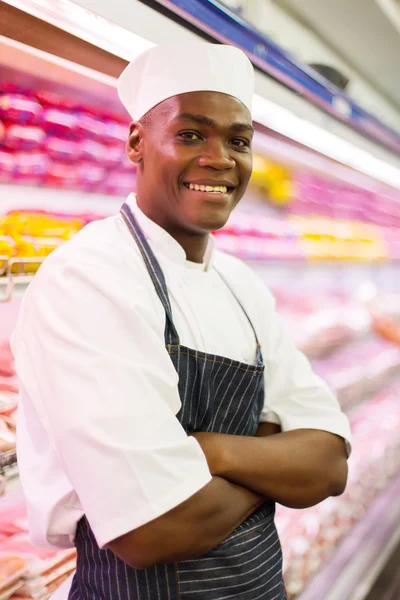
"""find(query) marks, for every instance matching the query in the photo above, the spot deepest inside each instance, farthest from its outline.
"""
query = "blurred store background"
(320, 223)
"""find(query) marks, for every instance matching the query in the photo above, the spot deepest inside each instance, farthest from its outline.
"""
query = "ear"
(134, 146)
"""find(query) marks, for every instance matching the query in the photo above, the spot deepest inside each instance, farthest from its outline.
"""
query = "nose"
(216, 156)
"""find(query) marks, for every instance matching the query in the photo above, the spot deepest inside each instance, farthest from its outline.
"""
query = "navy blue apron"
(217, 394)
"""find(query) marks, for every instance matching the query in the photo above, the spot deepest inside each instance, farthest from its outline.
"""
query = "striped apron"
(221, 395)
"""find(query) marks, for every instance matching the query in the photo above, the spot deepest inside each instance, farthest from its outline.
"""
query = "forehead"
(222, 109)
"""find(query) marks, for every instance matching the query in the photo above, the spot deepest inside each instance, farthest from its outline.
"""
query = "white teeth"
(208, 188)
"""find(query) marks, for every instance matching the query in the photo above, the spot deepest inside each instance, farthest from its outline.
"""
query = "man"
(164, 408)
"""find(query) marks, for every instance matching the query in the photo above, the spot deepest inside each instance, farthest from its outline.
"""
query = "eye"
(241, 143)
(189, 136)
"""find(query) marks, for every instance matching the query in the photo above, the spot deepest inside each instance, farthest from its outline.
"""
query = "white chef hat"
(168, 70)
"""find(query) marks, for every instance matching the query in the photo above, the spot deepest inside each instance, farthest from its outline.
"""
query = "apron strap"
(155, 272)
(259, 356)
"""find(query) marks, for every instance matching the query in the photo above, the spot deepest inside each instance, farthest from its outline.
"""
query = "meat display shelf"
(13, 286)
(361, 557)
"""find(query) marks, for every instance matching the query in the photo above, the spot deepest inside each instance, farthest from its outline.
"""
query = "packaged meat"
(92, 151)
(30, 167)
(23, 137)
(119, 183)
(37, 584)
(7, 161)
(53, 100)
(62, 150)
(12, 568)
(90, 176)
(7, 250)
(115, 132)
(59, 122)
(13, 520)
(114, 157)
(61, 175)
(8, 384)
(9, 591)
(37, 560)
(20, 109)
(7, 366)
(89, 127)
(46, 592)
(7, 437)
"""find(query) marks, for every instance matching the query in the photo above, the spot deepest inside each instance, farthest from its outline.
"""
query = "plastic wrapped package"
(119, 183)
(9, 384)
(30, 167)
(7, 251)
(7, 365)
(8, 404)
(31, 248)
(62, 150)
(89, 127)
(20, 109)
(7, 162)
(114, 157)
(90, 176)
(9, 591)
(13, 519)
(7, 435)
(23, 137)
(53, 100)
(61, 175)
(92, 151)
(40, 223)
(115, 133)
(41, 586)
(59, 122)
(12, 568)
(38, 560)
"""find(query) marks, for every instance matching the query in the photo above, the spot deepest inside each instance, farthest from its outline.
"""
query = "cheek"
(245, 170)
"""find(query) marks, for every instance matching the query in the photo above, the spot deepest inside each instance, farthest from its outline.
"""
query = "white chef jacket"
(97, 432)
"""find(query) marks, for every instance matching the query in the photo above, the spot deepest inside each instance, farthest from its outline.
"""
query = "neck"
(194, 243)
(195, 246)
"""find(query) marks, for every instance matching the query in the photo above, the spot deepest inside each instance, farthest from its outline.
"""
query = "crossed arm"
(297, 468)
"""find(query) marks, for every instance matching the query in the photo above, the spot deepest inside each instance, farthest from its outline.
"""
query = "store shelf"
(14, 286)
(30, 67)
(362, 555)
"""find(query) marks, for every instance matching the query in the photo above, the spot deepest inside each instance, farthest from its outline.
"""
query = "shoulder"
(100, 266)
(102, 250)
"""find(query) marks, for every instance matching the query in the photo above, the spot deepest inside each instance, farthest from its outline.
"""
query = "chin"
(214, 220)
(212, 223)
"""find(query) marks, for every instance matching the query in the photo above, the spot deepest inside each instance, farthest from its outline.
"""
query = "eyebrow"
(204, 120)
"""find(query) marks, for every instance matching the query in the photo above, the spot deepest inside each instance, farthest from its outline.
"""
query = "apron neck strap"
(155, 272)
(241, 306)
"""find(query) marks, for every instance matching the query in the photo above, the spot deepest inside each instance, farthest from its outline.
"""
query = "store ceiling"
(361, 33)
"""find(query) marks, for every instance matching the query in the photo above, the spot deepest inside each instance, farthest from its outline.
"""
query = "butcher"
(164, 406)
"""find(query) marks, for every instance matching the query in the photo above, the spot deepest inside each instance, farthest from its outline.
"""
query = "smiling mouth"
(211, 189)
